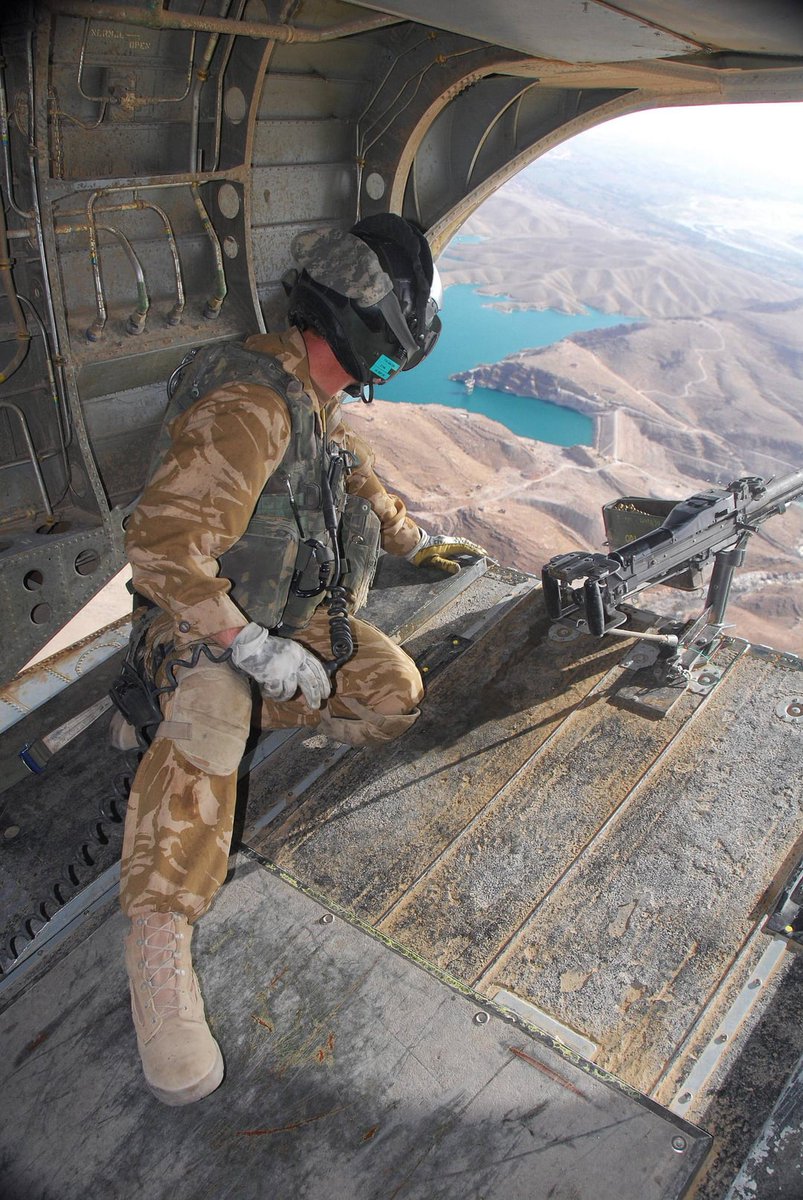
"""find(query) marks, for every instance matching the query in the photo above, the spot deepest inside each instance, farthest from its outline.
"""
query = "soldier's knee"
(208, 718)
(404, 692)
(363, 726)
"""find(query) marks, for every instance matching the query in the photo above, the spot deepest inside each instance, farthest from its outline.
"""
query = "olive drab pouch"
(360, 535)
(261, 566)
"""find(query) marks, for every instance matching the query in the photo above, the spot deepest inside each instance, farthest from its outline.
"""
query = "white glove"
(280, 666)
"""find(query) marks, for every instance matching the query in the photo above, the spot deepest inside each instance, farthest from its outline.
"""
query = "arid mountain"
(525, 501)
(707, 386)
(554, 257)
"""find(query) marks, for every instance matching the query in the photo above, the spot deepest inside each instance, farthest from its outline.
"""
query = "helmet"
(373, 293)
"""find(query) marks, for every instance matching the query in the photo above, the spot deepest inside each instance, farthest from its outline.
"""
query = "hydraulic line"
(418, 78)
(201, 76)
(215, 301)
(136, 320)
(65, 116)
(37, 470)
(156, 16)
(62, 418)
(58, 115)
(7, 149)
(95, 330)
(224, 62)
(137, 204)
(176, 312)
(130, 101)
(40, 240)
(358, 134)
(22, 333)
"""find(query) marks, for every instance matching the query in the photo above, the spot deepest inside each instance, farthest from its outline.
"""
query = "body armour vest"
(274, 568)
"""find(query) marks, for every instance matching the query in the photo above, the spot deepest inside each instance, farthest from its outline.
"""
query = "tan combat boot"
(181, 1060)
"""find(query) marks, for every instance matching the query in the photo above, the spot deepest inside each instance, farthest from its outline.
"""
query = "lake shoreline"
(510, 377)
(484, 330)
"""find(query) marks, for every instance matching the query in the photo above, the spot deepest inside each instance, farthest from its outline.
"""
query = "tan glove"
(442, 550)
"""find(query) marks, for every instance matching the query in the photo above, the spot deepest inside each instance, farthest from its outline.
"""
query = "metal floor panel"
(369, 828)
(530, 833)
(534, 833)
(352, 1073)
(640, 933)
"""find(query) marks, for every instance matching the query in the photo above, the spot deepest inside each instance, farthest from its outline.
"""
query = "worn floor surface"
(351, 1073)
(537, 836)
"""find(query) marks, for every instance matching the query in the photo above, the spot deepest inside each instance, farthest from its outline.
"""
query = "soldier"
(260, 526)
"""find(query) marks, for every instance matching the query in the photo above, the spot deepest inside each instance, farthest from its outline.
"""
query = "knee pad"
(208, 717)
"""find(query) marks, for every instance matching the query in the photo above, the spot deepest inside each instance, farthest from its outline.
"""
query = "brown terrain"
(707, 387)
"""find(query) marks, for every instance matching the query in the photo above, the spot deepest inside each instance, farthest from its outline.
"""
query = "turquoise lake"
(474, 333)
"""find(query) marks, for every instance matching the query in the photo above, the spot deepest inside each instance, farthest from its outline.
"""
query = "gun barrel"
(779, 493)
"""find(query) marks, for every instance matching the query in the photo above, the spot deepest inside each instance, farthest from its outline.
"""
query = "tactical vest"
(271, 554)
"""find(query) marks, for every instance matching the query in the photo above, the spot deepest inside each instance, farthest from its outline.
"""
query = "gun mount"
(588, 589)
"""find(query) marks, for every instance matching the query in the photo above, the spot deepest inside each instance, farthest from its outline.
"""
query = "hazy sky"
(759, 138)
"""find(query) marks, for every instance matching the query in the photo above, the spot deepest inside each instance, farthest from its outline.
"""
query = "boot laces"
(163, 976)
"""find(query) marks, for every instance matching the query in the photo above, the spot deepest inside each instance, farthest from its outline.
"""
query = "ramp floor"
(541, 849)
(535, 833)
(352, 1073)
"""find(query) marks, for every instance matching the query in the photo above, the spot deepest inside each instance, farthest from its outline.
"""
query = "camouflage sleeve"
(399, 532)
(199, 501)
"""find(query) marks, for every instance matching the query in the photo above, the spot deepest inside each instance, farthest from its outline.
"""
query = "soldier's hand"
(280, 666)
(442, 550)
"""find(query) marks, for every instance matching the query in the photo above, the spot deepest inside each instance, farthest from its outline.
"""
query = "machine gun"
(589, 589)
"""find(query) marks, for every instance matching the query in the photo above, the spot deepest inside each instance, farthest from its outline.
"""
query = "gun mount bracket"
(643, 654)
(704, 678)
(660, 676)
(786, 919)
(791, 710)
(441, 654)
(562, 631)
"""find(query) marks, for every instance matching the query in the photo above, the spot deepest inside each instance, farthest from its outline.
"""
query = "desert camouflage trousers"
(181, 808)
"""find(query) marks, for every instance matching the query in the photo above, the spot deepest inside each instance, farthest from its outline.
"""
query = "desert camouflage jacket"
(199, 500)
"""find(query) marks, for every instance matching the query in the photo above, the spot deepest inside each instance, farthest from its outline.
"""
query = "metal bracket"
(791, 710)
(436, 657)
(703, 678)
(786, 919)
(726, 1031)
(562, 631)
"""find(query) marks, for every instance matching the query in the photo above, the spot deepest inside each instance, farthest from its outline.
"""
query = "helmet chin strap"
(360, 389)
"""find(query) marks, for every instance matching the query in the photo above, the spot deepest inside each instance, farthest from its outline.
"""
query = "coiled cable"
(340, 635)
